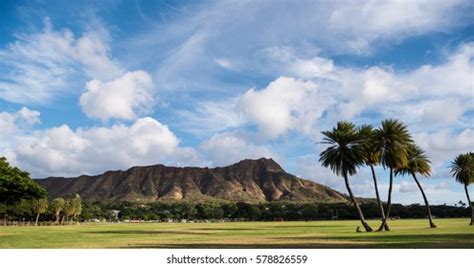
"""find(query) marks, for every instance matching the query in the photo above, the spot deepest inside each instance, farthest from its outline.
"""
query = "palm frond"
(346, 151)
(391, 140)
(462, 168)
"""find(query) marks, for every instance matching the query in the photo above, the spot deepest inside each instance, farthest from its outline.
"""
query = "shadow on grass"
(397, 237)
(403, 241)
(241, 245)
(389, 241)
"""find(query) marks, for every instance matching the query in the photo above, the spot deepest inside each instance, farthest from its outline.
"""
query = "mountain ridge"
(246, 181)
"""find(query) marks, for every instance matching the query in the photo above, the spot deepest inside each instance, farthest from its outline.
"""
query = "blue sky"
(86, 86)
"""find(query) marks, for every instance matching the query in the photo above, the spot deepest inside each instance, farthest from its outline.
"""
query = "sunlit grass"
(451, 233)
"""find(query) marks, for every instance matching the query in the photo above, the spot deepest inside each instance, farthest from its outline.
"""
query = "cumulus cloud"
(416, 96)
(227, 148)
(39, 66)
(63, 151)
(442, 146)
(122, 98)
(285, 104)
(323, 92)
(16, 123)
(11, 123)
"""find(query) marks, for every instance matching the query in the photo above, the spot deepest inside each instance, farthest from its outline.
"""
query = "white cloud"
(288, 62)
(39, 66)
(285, 104)
(122, 98)
(442, 146)
(224, 34)
(11, 123)
(416, 97)
(228, 148)
(63, 151)
(375, 20)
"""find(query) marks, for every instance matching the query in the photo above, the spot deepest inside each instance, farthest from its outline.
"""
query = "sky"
(90, 86)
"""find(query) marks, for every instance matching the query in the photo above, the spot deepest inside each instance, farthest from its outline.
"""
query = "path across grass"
(451, 233)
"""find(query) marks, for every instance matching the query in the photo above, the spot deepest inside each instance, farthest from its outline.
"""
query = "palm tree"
(372, 159)
(40, 206)
(77, 205)
(57, 205)
(343, 156)
(419, 163)
(462, 169)
(392, 140)
(68, 209)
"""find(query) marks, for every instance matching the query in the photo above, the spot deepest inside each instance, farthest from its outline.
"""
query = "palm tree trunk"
(57, 218)
(389, 202)
(359, 211)
(62, 220)
(382, 212)
(430, 218)
(37, 218)
(470, 204)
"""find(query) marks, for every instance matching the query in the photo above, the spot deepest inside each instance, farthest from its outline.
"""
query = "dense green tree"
(372, 159)
(418, 163)
(189, 210)
(16, 185)
(343, 156)
(462, 168)
(39, 206)
(392, 140)
(309, 211)
(229, 209)
(57, 205)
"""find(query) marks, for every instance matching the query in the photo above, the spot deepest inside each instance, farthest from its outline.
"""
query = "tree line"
(20, 197)
(224, 210)
(59, 210)
(391, 146)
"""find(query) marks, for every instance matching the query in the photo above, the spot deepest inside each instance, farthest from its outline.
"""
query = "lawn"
(451, 233)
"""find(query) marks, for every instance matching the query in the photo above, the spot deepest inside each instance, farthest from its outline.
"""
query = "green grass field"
(451, 233)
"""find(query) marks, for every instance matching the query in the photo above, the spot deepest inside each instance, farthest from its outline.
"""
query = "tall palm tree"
(40, 206)
(343, 156)
(372, 159)
(68, 209)
(419, 163)
(77, 204)
(392, 140)
(462, 168)
(57, 206)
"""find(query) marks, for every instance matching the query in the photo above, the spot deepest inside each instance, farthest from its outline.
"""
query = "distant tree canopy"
(16, 185)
